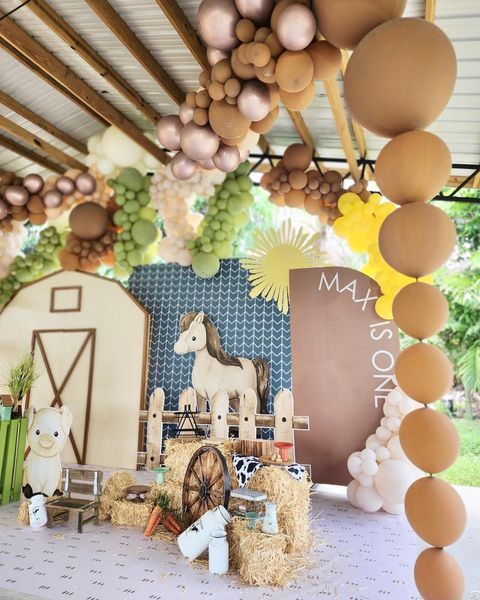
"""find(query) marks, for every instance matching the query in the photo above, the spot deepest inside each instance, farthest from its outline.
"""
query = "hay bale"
(114, 489)
(131, 514)
(23, 518)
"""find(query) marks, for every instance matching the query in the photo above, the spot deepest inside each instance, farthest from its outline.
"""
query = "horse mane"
(214, 346)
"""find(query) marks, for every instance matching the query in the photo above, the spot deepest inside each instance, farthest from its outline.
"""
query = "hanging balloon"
(53, 199)
(17, 195)
(227, 121)
(265, 124)
(3, 210)
(254, 101)
(294, 71)
(89, 221)
(258, 11)
(280, 6)
(438, 575)
(297, 156)
(185, 113)
(33, 183)
(420, 310)
(214, 55)
(326, 59)
(85, 184)
(417, 81)
(182, 167)
(120, 149)
(198, 143)
(298, 100)
(424, 372)
(216, 23)
(296, 27)
(169, 129)
(413, 167)
(227, 158)
(65, 185)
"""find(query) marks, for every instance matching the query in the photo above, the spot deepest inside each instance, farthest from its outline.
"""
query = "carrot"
(153, 521)
(170, 523)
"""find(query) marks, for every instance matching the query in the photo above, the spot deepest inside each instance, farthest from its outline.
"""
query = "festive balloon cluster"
(227, 212)
(382, 472)
(10, 246)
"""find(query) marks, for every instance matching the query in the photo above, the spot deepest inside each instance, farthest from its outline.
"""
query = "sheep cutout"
(48, 430)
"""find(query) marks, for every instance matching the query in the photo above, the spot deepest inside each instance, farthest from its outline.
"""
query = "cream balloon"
(368, 499)
(120, 149)
(393, 479)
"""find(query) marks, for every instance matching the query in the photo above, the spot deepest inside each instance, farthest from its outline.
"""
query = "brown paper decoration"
(420, 310)
(438, 576)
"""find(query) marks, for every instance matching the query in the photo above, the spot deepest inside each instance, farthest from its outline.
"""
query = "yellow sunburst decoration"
(275, 252)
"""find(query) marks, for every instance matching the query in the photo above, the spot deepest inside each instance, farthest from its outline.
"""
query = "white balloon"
(395, 396)
(369, 467)
(105, 166)
(391, 410)
(373, 442)
(382, 454)
(383, 433)
(393, 423)
(367, 454)
(352, 488)
(395, 449)
(94, 144)
(393, 479)
(368, 499)
(120, 149)
(354, 465)
(393, 509)
(365, 480)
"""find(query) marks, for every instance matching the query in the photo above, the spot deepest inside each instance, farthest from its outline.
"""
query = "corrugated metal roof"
(459, 125)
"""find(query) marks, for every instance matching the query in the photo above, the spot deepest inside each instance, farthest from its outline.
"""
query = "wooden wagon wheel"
(206, 484)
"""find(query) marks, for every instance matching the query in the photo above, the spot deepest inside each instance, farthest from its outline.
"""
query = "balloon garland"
(10, 246)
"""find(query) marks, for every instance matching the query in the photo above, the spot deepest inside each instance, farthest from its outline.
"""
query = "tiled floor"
(357, 557)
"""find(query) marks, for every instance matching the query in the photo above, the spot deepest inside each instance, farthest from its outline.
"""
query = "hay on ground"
(23, 518)
(114, 489)
(131, 514)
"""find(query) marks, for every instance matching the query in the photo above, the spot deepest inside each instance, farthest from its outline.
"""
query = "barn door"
(65, 361)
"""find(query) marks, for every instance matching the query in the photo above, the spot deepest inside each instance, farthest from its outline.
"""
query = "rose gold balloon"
(168, 131)
(216, 23)
(227, 158)
(17, 195)
(65, 185)
(207, 164)
(214, 55)
(182, 167)
(3, 210)
(254, 100)
(258, 11)
(185, 113)
(85, 184)
(296, 27)
(198, 143)
(33, 183)
(52, 199)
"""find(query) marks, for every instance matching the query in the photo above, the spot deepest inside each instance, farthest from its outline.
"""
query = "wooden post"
(155, 429)
(283, 409)
(247, 429)
(219, 411)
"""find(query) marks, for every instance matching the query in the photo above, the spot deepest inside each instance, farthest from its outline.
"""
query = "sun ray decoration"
(274, 253)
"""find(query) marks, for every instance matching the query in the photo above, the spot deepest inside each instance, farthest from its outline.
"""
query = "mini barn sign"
(343, 356)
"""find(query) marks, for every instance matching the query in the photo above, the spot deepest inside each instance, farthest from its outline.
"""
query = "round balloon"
(120, 149)
(3, 209)
(258, 11)
(254, 100)
(86, 184)
(420, 310)
(297, 157)
(296, 27)
(17, 195)
(216, 23)
(424, 372)
(294, 70)
(417, 239)
(345, 22)
(168, 131)
(265, 124)
(227, 158)
(435, 511)
(89, 221)
(33, 183)
(430, 440)
(326, 60)
(368, 499)
(438, 575)
(298, 100)
(393, 479)
(185, 113)
(413, 167)
(65, 185)
(182, 167)
(198, 143)
(227, 121)
(214, 55)
(52, 199)
(400, 77)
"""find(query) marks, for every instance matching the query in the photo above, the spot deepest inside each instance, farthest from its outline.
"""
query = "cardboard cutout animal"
(214, 369)
(48, 430)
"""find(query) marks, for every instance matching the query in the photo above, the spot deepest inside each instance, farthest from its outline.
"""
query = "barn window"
(66, 299)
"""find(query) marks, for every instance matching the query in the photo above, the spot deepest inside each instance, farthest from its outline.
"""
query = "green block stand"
(12, 448)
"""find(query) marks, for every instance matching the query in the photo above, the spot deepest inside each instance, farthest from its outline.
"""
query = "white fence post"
(283, 409)
(247, 429)
(219, 411)
(154, 429)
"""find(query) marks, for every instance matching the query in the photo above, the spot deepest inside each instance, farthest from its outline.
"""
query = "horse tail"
(263, 376)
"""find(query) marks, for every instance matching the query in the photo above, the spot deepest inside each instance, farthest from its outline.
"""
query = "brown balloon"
(89, 221)
(400, 77)
(413, 167)
(265, 124)
(420, 310)
(37, 218)
(417, 239)
(438, 575)
(297, 156)
(240, 69)
(326, 59)
(295, 198)
(297, 179)
(424, 372)
(298, 100)
(227, 121)
(435, 511)
(429, 439)
(345, 22)
(36, 204)
(294, 70)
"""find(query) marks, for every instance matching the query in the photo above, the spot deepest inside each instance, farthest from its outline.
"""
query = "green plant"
(21, 378)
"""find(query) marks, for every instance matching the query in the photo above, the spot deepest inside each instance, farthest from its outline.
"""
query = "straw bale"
(132, 514)
(114, 489)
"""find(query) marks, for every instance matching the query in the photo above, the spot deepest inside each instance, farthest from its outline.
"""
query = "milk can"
(218, 552)
(270, 524)
(194, 540)
(37, 511)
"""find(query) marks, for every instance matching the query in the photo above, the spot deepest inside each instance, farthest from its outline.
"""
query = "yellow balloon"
(383, 307)
(346, 200)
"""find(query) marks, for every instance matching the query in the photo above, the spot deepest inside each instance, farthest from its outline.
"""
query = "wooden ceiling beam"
(33, 140)
(28, 114)
(50, 64)
(31, 156)
(65, 32)
(430, 6)
(133, 44)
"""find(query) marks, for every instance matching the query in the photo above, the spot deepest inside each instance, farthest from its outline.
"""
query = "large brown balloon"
(413, 167)
(400, 77)
(435, 511)
(420, 310)
(265, 124)
(430, 440)
(89, 221)
(438, 575)
(345, 22)
(417, 239)
(216, 23)
(424, 372)
(294, 70)
(326, 59)
(298, 100)
(297, 156)
(227, 121)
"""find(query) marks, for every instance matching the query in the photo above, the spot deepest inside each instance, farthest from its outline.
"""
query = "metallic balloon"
(17, 195)
(227, 158)
(199, 143)
(168, 132)
(53, 199)
(216, 23)
(182, 167)
(185, 113)
(85, 184)
(258, 11)
(65, 185)
(207, 164)
(214, 55)
(33, 183)
(296, 27)
(254, 100)
(3, 210)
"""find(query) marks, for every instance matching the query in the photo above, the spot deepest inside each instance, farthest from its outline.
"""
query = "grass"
(466, 469)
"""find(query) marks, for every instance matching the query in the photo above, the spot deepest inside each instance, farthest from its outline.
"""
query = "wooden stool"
(138, 491)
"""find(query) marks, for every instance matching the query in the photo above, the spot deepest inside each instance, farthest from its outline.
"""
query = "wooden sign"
(343, 355)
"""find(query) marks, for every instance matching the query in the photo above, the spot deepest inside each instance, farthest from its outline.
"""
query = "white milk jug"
(218, 552)
(194, 540)
(37, 511)
(270, 523)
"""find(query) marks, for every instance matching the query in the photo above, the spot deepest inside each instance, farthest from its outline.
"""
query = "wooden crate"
(12, 447)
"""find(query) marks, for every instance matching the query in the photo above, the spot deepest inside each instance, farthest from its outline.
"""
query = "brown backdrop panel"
(343, 355)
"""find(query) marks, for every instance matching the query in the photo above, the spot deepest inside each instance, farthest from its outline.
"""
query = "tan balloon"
(400, 77)
(345, 22)
(424, 372)
(435, 511)
(413, 167)
(326, 59)
(240, 69)
(294, 70)
(313, 206)
(297, 156)
(417, 239)
(227, 121)
(298, 100)
(295, 198)
(420, 310)
(429, 439)
(265, 124)
(438, 575)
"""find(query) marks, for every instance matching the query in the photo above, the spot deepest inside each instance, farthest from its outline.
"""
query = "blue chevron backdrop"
(248, 327)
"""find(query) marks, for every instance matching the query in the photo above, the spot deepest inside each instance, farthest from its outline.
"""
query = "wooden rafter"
(33, 140)
(357, 129)
(59, 26)
(50, 64)
(31, 156)
(430, 10)
(28, 114)
(133, 44)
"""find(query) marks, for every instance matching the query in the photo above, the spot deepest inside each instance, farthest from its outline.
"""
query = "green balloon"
(131, 206)
(205, 265)
(119, 217)
(148, 213)
(232, 187)
(207, 247)
(240, 220)
(219, 235)
(247, 199)
(125, 236)
(134, 258)
(215, 225)
(224, 194)
(208, 232)
(147, 182)
(133, 218)
(143, 198)
(127, 225)
(144, 232)
(235, 205)
(129, 246)
(244, 183)
(212, 211)
(226, 227)
(222, 204)
(129, 195)
(118, 247)
(24, 275)
(222, 249)
(131, 179)
(242, 169)
(224, 217)
(122, 255)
